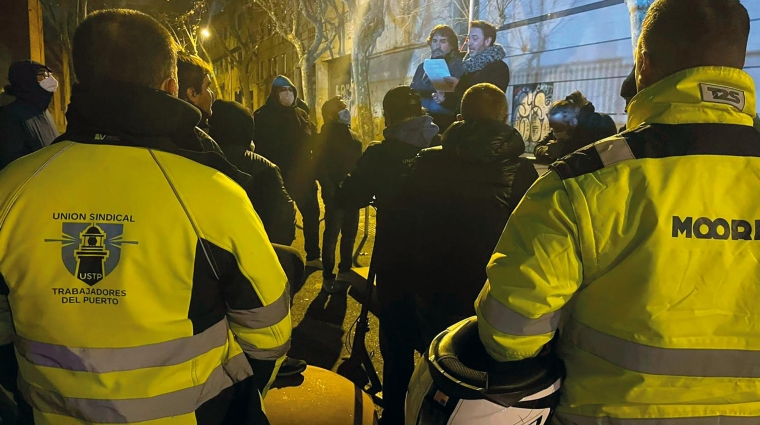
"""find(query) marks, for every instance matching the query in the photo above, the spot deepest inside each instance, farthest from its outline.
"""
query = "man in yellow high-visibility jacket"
(642, 250)
(137, 284)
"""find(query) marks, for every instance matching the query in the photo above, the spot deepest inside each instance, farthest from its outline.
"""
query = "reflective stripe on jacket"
(138, 281)
(643, 250)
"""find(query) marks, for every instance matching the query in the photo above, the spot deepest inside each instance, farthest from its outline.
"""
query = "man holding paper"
(445, 61)
(484, 63)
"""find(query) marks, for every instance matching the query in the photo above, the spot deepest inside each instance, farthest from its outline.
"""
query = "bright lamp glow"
(205, 33)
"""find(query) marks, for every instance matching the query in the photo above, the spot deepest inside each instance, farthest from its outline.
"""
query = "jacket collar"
(138, 115)
(125, 115)
(696, 96)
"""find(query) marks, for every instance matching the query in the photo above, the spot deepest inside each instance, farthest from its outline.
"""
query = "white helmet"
(458, 383)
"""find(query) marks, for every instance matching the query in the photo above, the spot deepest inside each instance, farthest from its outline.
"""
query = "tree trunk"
(309, 83)
(367, 30)
(245, 85)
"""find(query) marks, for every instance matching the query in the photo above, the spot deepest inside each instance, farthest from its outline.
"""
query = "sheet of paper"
(437, 70)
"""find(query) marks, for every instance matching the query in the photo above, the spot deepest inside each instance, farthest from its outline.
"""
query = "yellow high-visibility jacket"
(134, 283)
(643, 251)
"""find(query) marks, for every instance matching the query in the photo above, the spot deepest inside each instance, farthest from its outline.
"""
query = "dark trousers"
(338, 222)
(398, 338)
(308, 205)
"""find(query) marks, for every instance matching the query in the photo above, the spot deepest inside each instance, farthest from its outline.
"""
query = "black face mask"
(24, 85)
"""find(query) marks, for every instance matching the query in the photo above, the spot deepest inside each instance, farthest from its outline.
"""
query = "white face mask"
(287, 98)
(344, 116)
(49, 84)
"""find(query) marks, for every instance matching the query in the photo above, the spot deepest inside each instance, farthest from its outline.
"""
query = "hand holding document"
(437, 71)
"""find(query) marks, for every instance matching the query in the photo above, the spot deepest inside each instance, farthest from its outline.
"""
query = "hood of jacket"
(127, 115)
(22, 76)
(475, 63)
(417, 132)
(282, 81)
(483, 141)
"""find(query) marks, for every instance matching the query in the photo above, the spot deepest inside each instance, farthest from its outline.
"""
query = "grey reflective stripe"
(263, 317)
(136, 409)
(104, 360)
(508, 321)
(264, 353)
(705, 363)
(613, 151)
(568, 419)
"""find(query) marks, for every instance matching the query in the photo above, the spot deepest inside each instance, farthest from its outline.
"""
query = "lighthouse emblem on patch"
(91, 251)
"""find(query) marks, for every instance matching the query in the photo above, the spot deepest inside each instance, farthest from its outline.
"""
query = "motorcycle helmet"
(458, 383)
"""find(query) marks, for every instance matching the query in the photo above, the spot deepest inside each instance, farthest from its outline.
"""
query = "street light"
(205, 33)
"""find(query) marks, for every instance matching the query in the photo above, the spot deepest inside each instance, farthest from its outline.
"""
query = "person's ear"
(170, 86)
(191, 94)
(489, 42)
(644, 74)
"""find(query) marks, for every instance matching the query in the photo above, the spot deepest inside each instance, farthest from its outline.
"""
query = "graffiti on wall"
(530, 106)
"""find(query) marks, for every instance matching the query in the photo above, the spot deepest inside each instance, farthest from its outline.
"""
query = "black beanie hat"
(22, 75)
(231, 124)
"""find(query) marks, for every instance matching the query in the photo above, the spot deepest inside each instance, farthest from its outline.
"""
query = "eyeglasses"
(44, 73)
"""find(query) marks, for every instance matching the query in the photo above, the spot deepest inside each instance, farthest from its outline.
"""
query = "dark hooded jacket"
(284, 135)
(442, 116)
(338, 150)
(380, 173)
(486, 67)
(25, 124)
(232, 127)
(462, 194)
(592, 127)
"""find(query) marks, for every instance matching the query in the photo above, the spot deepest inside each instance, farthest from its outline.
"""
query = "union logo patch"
(91, 251)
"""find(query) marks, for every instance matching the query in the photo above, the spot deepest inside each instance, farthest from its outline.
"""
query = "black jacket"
(462, 194)
(267, 193)
(380, 173)
(442, 116)
(338, 150)
(24, 128)
(592, 127)
(284, 135)
(496, 73)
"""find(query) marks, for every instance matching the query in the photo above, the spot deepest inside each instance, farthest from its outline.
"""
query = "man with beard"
(461, 194)
(380, 173)
(284, 135)
(26, 124)
(483, 64)
(443, 44)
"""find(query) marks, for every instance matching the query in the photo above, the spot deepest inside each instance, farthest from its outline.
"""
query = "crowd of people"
(148, 266)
